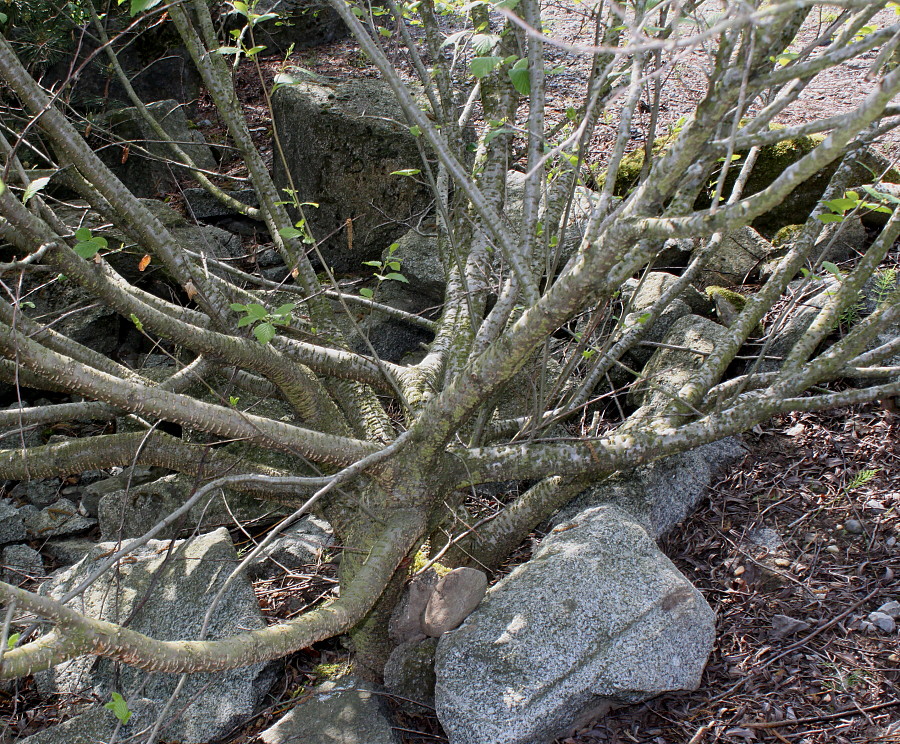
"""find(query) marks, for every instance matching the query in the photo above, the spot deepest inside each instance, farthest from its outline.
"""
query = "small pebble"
(833, 549)
(891, 609)
(882, 621)
(782, 562)
(891, 541)
(854, 527)
(739, 570)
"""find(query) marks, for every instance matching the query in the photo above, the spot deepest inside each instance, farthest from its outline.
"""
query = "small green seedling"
(88, 244)
(264, 322)
(387, 270)
(119, 707)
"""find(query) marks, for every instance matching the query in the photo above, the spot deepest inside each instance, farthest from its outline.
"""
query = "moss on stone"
(335, 670)
(735, 299)
(786, 235)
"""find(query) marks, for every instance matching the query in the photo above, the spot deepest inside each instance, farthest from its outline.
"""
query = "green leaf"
(483, 43)
(82, 233)
(496, 133)
(286, 309)
(137, 322)
(832, 269)
(643, 318)
(138, 6)
(392, 248)
(376, 264)
(89, 248)
(571, 114)
(233, 400)
(826, 218)
(34, 187)
(3, 19)
(415, 130)
(228, 50)
(264, 333)
(238, 307)
(254, 50)
(395, 265)
(397, 277)
(245, 321)
(290, 232)
(840, 205)
(521, 79)
(406, 172)
(13, 640)
(482, 66)
(385, 31)
(366, 292)
(119, 707)
(256, 311)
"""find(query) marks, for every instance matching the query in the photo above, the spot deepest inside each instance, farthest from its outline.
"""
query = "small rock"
(882, 621)
(12, 528)
(406, 621)
(875, 505)
(854, 527)
(891, 609)
(41, 493)
(409, 672)
(344, 711)
(453, 600)
(891, 541)
(782, 562)
(833, 549)
(784, 625)
(21, 563)
(62, 518)
(765, 537)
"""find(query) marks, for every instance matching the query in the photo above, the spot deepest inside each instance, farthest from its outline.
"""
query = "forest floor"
(794, 660)
(794, 547)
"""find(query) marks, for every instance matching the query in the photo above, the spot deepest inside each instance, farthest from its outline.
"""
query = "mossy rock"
(771, 163)
(786, 235)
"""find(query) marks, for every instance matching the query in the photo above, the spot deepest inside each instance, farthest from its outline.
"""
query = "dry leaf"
(144, 262)
(126, 151)
(191, 290)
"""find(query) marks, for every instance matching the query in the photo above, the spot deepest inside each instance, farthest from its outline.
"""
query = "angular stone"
(41, 493)
(882, 621)
(58, 520)
(341, 712)
(12, 526)
(178, 587)
(738, 258)
(299, 546)
(20, 564)
(664, 492)
(342, 141)
(150, 176)
(409, 671)
(598, 617)
(97, 724)
(783, 625)
(891, 609)
(670, 368)
(131, 513)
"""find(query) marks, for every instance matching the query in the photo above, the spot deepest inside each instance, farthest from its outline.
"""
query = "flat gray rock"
(21, 563)
(60, 519)
(598, 617)
(340, 712)
(12, 526)
(180, 589)
(664, 492)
